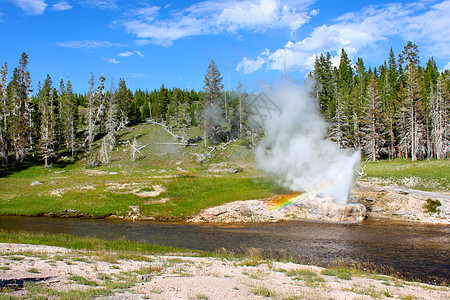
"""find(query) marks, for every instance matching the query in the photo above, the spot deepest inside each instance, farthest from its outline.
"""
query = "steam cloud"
(296, 150)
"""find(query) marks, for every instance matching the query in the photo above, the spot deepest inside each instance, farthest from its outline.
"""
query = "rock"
(35, 183)
(238, 211)
(312, 208)
(316, 207)
(180, 169)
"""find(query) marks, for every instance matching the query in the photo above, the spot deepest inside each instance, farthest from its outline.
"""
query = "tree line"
(56, 121)
(399, 109)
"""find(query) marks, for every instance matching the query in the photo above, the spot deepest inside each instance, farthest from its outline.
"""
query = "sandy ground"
(59, 272)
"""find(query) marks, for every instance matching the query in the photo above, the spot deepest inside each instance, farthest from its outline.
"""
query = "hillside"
(166, 181)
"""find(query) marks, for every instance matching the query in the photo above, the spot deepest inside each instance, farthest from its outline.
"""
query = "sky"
(255, 42)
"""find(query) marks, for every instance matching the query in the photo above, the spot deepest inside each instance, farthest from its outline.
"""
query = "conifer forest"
(398, 109)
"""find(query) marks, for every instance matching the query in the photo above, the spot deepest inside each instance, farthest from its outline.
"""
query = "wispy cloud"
(130, 53)
(418, 22)
(252, 65)
(61, 6)
(31, 7)
(88, 44)
(214, 17)
(102, 4)
(111, 60)
(137, 75)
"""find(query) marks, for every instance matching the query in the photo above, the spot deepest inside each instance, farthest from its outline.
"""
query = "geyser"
(296, 148)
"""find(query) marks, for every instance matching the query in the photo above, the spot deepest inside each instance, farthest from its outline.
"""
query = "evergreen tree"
(324, 87)
(124, 98)
(20, 127)
(69, 116)
(4, 114)
(213, 111)
(46, 141)
(357, 101)
(413, 103)
(390, 79)
(440, 119)
(373, 127)
(90, 114)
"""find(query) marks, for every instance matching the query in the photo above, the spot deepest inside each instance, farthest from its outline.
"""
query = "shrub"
(432, 205)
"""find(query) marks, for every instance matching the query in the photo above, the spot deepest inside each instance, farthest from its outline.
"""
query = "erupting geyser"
(296, 149)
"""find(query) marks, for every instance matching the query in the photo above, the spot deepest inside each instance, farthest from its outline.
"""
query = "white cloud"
(88, 44)
(213, 17)
(130, 53)
(125, 54)
(61, 6)
(447, 66)
(250, 66)
(102, 4)
(418, 22)
(111, 60)
(31, 7)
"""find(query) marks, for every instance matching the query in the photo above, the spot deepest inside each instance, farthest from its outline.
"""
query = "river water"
(411, 249)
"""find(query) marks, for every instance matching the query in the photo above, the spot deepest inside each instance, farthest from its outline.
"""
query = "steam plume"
(296, 150)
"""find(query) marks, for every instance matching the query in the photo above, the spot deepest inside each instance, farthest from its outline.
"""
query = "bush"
(432, 205)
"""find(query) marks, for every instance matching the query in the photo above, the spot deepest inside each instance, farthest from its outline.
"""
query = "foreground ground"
(28, 271)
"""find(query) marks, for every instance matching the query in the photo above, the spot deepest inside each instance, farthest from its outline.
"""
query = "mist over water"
(296, 150)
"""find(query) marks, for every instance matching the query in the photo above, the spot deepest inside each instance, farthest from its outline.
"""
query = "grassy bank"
(124, 187)
(86, 243)
(429, 175)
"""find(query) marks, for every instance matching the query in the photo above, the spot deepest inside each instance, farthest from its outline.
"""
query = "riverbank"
(38, 270)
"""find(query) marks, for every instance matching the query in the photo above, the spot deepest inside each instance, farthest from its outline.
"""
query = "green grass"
(427, 175)
(83, 281)
(84, 243)
(73, 187)
(33, 270)
(265, 292)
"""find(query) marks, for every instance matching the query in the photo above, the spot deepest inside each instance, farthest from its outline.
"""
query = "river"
(413, 250)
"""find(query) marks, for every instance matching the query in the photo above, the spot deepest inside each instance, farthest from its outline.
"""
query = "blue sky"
(151, 42)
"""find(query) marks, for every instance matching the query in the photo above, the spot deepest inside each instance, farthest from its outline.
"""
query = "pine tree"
(90, 114)
(390, 102)
(124, 98)
(373, 127)
(4, 114)
(440, 119)
(69, 116)
(324, 87)
(213, 112)
(429, 81)
(111, 118)
(20, 127)
(413, 103)
(46, 141)
(357, 101)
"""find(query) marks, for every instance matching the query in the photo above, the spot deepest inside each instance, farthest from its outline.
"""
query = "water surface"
(411, 249)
